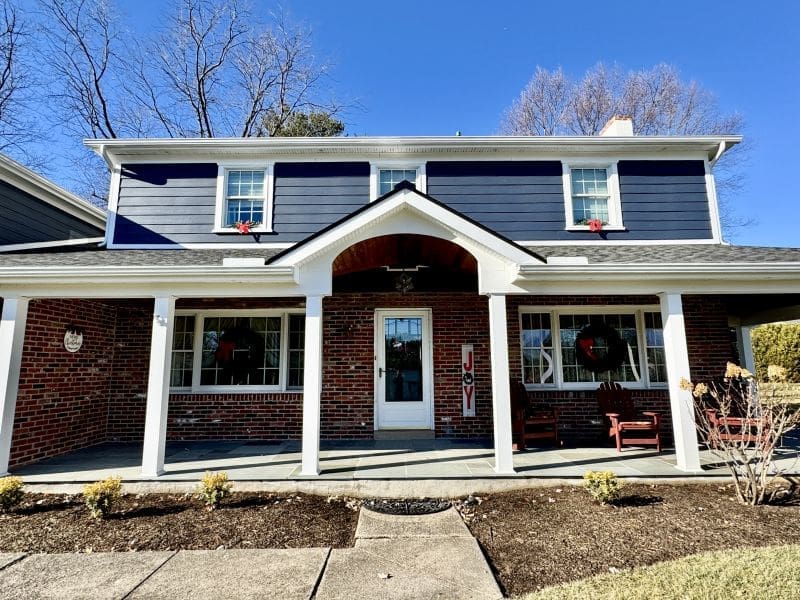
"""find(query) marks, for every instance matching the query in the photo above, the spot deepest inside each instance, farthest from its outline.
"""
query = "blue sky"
(434, 67)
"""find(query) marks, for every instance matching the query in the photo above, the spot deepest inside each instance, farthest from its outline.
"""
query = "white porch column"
(747, 358)
(12, 336)
(681, 401)
(155, 424)
(501, 392)
(312, 386)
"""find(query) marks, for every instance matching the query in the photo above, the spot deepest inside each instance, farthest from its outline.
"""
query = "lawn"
(545, 536)
(764, 573)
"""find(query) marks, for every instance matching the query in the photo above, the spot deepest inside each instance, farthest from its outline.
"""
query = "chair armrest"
(653, 415)
(612, 415)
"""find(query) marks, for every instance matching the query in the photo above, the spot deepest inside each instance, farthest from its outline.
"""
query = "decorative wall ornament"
(468, 380)
(599, 348)
(73, 338)
(404, 283)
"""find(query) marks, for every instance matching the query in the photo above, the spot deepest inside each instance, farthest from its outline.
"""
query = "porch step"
(405, 434)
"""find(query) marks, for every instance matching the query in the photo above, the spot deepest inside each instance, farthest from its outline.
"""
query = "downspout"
(723, 146)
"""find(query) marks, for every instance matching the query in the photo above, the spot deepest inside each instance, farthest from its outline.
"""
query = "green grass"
(771, 573)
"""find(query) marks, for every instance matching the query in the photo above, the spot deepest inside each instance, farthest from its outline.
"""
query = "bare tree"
(658, 100)
(744, 422)
(17, 128)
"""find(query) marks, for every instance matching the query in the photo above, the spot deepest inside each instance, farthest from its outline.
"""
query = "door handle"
(380, 372)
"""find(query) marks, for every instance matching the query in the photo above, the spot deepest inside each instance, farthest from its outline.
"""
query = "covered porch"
(257, 462)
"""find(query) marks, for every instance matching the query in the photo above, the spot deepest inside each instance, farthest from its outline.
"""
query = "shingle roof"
(662, 254)
(132, 258)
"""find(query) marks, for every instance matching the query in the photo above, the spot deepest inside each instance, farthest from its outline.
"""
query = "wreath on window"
(600, 360)
(236, 364)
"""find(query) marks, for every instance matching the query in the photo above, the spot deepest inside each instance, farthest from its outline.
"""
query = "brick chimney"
(618, 126)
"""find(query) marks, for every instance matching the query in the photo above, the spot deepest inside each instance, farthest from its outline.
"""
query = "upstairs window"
(243, 196)
(592, 193)
(388, 178)
(385, 176)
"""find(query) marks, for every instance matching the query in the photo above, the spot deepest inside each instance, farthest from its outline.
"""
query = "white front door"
(403, 369)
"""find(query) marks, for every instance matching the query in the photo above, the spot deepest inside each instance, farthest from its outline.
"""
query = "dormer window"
(591, 192)
(385, 176)
(244, 195)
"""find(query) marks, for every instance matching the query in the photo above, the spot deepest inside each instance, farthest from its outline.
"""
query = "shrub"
(101, 496)
(214, 488)
(777, 344)
(603, 486)
(10, 492)
(743, 422)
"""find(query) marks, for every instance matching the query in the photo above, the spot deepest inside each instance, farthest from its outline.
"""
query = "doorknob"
(380, 372)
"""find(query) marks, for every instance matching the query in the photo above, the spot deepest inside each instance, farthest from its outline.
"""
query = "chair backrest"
(519, 396)
(613, 398)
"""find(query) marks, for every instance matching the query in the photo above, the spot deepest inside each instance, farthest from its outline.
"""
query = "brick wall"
(68, 401)
(348, 362)
(62, 403)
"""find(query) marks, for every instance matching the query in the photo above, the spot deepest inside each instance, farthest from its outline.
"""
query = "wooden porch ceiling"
(404, 251)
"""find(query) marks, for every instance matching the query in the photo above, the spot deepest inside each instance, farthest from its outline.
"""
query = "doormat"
(423, 506)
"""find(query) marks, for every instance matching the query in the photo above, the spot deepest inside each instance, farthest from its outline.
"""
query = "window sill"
(586, 228)
(236, 231)
(236, 389)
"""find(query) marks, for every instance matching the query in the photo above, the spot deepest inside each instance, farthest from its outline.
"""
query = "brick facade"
(68, 401)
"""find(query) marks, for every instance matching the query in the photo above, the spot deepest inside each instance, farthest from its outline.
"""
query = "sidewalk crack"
(153, 572)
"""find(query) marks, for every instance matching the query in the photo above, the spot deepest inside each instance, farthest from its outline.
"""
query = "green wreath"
(600, 362)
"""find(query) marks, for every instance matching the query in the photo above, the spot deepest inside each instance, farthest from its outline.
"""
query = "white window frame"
(197, 348)
(375, 169)
(614, 203)
(555, 330)
(222, 186)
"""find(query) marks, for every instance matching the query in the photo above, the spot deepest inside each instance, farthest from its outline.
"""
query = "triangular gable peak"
(407, 211)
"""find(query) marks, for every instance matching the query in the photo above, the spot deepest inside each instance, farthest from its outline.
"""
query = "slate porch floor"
(344, 460)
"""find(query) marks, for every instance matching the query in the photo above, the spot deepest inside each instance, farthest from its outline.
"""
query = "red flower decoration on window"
(595, 225)
(244, 227)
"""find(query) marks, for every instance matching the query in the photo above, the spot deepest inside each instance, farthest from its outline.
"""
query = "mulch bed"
(57, 523)
(543, 536)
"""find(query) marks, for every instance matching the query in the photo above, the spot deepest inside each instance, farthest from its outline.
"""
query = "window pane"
(182, 351)
(244, 196)
(590, 195)
(297, 333)
(654, 344)
(537, 349)
(241, 351)
(388, 178)
(625, 326)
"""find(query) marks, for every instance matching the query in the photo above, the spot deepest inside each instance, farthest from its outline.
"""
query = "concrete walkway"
(428, 557)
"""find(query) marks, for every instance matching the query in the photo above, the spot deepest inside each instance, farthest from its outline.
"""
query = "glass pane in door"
(403, 377)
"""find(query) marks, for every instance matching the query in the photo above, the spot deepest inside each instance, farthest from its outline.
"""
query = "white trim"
(426, 359)
(713, 202)
(601, 242)
(555, 311)
(12, 337)
(42, 189)
(197, 350)
(312, 387)
(155, 426)
(615, 222)
(128, 150)
(501, 391)
(676, 356)
(53, 244)
(205, 246)
(113, 204)
(375, 167)
(223, 168)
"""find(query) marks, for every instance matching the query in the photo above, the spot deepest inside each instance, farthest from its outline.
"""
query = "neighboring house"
(35, 213)
(374, 273)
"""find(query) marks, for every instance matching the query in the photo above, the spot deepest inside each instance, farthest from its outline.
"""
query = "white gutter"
(613, 271)
(53, 244)
(723, 146)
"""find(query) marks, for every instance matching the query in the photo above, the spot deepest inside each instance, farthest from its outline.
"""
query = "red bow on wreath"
(587, 346)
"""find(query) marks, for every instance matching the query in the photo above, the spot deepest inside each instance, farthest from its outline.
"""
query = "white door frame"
(427, 362)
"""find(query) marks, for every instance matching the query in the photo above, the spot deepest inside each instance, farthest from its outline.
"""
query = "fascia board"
(163, 149)
(122, 274)
(678, 271)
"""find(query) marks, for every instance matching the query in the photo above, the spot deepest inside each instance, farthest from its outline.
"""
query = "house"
(343, 288)
(35, 213)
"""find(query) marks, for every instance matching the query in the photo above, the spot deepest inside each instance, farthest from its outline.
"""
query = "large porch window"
(550, 350)
(234, 351)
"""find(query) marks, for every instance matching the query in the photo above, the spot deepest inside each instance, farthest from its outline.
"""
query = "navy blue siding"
(524, 200)
(664, 199)
(25, 219)
(174, 203)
